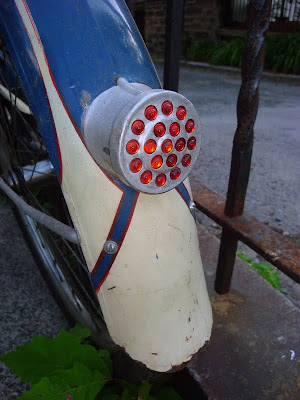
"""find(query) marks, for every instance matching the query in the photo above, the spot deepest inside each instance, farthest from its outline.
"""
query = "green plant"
(267, 271)
(219, 53)
(69, 368)
(202, 50)
(282, 52)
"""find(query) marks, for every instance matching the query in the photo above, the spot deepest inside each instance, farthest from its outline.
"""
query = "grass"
(267, 271)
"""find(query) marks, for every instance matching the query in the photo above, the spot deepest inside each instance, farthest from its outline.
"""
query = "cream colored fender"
(154, 298)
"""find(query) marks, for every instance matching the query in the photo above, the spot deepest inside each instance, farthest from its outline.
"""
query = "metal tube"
(21, 106)
(38, 172)
(174, 23)
(258, 20)
(53, 224)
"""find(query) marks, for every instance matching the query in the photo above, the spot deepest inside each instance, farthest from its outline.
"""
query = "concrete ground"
(26, 307)
(273, 193)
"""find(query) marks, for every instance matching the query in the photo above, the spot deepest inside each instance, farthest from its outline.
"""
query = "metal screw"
(192, 206)
(110, 247)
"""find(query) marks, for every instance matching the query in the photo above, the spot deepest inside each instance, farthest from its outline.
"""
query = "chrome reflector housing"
(134, 114)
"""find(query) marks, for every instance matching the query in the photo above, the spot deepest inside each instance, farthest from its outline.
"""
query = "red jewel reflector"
(174, 129)
(167, 107)
(132, 147)
(151, 113)
(150, 146)
(190, 126)
(180, 144)
(191, 144)
(146, 177)
(181, 113)
(175, 173)
(167, 146)
(159, 129)
(156, 162)
(171, 160)
(160, 180)
(138, 127)
(135, 165)
(186, 160)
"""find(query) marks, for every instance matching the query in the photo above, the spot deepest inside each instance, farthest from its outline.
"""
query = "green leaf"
(105, 356)
(80, 375)
(78, 383)
(168, 393)
(144, 391)
(269, 273)
(79, 332)
(130, 391)
(43, 357)
(242, 256)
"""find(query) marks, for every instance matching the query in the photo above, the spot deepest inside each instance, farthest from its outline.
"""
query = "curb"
(221, 68)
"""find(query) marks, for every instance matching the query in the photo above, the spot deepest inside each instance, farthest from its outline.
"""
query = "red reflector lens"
(167, 107)
(135, 165)
(181, 113)
(150, 146)
(171, 160)
(146, 177)
(156, 162)
(180, 144)
(132, 147)
(160, 180)
(175, 173)
(190, 126)
(191, 144)
(167, 146)
(151, 113)
(174, 129)
(186, 160)
(159, 130)
(138, 127)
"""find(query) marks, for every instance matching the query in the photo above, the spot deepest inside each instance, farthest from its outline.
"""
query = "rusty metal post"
(174, 24)
(258, 20)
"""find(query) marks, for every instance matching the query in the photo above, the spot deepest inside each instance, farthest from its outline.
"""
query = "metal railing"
(229, 213)
(281, 11)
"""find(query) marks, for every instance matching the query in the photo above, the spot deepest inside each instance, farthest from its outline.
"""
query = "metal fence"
(281, 11)
(229, 213)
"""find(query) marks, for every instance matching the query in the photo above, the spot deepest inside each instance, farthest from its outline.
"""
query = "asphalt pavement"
(273, 193)
(26, 306)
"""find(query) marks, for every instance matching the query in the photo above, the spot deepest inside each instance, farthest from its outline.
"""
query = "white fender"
(154, 298)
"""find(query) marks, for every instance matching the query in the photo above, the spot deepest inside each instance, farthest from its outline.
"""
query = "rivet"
(192, 206)
(110, 247)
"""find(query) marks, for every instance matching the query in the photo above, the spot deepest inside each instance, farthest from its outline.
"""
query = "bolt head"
(110, 247)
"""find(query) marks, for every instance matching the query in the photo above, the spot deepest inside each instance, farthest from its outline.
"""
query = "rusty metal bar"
(258, 19)
(174, 23)
(274, 247)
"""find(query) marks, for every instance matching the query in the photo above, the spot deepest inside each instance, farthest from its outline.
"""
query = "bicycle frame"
(151, 289)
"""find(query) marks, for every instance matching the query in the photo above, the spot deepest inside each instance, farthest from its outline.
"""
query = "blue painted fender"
(88, 44)
(152, 291)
